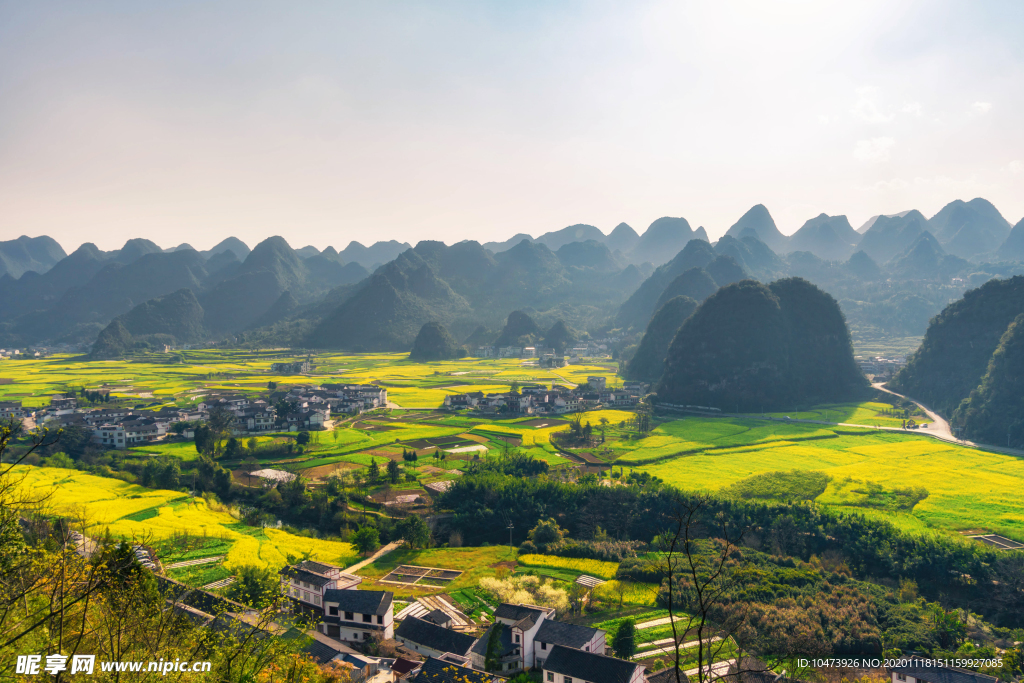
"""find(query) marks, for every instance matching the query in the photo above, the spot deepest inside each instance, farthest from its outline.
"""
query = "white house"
(357, 616)
(308, 581)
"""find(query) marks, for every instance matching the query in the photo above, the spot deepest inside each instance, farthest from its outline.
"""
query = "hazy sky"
(327, 122)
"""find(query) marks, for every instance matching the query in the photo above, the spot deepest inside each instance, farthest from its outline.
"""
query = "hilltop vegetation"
(959, 345)
(648, 363)
(752, 347)
(434, 343)
(996, 407)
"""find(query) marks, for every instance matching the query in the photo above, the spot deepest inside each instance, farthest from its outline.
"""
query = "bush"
(607, 551)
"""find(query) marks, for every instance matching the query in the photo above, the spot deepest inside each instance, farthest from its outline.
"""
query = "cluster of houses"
(122, 427)
(538, 399)
(530, 637)
(880, 367)
(546, 356)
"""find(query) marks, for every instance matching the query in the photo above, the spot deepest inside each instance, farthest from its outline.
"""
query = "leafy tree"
(170, 475)
(393, 472)
(492, 658)
(302, 438)
(233, 449)
(624, 640)
(415, 531)
(373, 472)
(366, 539)
(547, 532)
(252, 444)
(255, 586)
(204, 440)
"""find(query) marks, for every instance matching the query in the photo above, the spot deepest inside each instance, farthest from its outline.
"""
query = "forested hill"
(959, 345)
(752, 347)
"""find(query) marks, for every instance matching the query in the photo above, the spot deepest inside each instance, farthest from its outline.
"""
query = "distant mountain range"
(379, 297)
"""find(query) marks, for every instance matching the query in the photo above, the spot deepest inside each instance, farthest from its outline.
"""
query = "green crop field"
(913, 480)
(918, 482)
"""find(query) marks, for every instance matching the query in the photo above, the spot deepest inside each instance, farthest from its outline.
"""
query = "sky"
(332, 122)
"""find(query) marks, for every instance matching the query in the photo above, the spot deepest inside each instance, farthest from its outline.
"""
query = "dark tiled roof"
(360, 602)
(437, 616)
(570, 635)
(303, 575)
(505, 638)
(941, 674)
(436, 671)
(403, 666)
(516, 612)
(310, 565)
(589, 666)
(668, 675)
(435, 637)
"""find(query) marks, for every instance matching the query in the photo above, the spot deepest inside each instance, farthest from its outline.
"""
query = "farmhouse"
(293, 368)
(356, 615)
(308, 581)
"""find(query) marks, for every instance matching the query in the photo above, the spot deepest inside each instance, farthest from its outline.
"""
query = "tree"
(624, 640)
(373, 472)
(255, 586)
(233, 449)
(221, 421)
(302, 438)
(393, 472)
(366, 539)
(492, 658)
(547, 532)
(415, 531)
(252, 444)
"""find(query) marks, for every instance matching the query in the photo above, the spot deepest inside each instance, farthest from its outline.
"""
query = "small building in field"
(432, 640)
(358, 616)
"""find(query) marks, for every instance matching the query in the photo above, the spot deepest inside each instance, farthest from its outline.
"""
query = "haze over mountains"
(889, 276)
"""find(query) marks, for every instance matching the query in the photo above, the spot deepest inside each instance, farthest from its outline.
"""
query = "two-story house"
(552, 633)
(520, 624)
(566, 665)
(355, 615)
(307, 582)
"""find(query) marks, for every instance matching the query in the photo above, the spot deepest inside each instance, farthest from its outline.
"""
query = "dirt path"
(372, 558)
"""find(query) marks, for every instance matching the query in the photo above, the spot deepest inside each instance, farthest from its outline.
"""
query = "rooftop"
(589, 666)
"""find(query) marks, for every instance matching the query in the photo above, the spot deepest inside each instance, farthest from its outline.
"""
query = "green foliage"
(648, 362)
(545, 533)
(519, 330)
(302, 438)
(624, 640)
(959, 344)
(994, 412)
(366, 539)
(492, 658)
(751, 347)
(792, 485)
(255, 586)
(415, 531)
(434, 343)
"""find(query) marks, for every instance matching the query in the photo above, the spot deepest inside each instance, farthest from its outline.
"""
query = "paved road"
(659, 622)
(940, 429)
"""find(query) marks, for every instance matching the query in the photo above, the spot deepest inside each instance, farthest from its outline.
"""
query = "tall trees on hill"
(751, 347)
